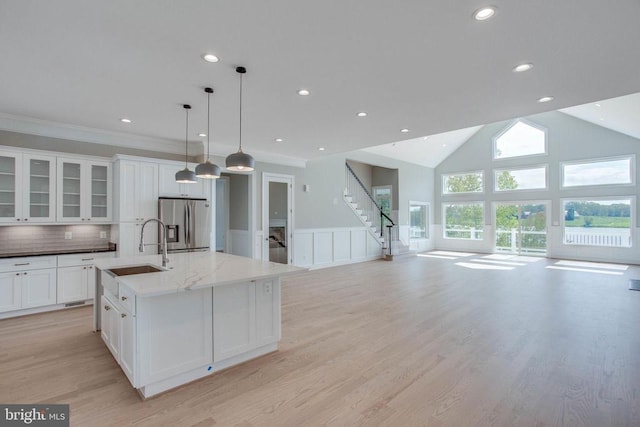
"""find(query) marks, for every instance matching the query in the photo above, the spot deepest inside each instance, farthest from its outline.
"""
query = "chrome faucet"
(165, 260)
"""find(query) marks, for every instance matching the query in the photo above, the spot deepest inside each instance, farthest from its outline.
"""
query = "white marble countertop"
(194, 270)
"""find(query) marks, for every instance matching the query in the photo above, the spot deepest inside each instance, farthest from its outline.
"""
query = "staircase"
(363, 205)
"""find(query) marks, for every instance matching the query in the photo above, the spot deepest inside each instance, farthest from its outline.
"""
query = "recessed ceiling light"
(125, 120)
(303, 92)
(209, 57)
(425, 138)
(484, 13)
(321, 149)
(444, 145)
(278, 140)
(522, 67)
(598, 105)
(202, 135)
(546, 99)
(362, 114)
(405, 130)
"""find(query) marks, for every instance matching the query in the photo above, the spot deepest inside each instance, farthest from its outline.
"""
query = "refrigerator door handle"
(189, 223)
(186, 224)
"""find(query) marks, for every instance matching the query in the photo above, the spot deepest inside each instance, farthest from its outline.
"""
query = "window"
(471, 182)
(418, 220)
(612, 171)
(520, 139)
(520, 179)
(598, 222)
(463, 220)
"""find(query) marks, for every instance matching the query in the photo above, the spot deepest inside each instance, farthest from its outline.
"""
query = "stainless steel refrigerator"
(187, 222)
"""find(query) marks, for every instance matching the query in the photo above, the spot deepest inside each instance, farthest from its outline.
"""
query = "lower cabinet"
(245, 316)
(76, 283)
(27, 289)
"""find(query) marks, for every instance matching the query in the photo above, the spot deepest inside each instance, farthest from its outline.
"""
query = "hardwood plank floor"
(418, 341)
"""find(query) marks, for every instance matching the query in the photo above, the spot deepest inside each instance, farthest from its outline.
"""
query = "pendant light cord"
(208, 125)
(186, 140)
(240, 145)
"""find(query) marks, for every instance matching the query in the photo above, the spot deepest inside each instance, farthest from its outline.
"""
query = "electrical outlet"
(103, 234)
(267, 288)
(68, 235)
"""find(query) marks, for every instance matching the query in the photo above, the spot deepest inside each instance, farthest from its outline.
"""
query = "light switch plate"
(68, 235)
(267, 288)
(103, 234)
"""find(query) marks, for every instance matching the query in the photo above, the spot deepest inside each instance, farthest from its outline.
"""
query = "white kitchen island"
(206, 312)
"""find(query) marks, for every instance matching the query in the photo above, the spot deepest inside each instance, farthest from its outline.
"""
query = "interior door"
(521, 228)
(277, 212)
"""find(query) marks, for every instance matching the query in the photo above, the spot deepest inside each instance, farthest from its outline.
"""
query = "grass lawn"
(600, 221)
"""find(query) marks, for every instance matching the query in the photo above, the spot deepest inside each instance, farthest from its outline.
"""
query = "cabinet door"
(268, 312)
(10, 187)
(98, 191)
(91, 282)
(129, 239)
(234, 322)
(127, 191)
(72, 284)
(38, 287)
(167, 180)
(10, 291)
(39, 188)
(71, 190)
(128, 346)
(147, 191)
(110, 327)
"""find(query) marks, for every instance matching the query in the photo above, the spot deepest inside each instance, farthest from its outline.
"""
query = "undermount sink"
(134, 269)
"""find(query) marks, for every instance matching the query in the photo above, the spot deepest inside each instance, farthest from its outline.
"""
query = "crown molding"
(28, 125)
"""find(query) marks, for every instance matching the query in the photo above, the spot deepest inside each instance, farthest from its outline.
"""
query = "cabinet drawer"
(82, 259)
(127, 299)
(27, 263)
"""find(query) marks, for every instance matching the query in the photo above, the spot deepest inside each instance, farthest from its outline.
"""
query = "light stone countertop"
(194, 270)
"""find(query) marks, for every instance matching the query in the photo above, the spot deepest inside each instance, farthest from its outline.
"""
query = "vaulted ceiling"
(423, 65)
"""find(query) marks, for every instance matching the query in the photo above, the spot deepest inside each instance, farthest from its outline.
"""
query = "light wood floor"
(417, 341)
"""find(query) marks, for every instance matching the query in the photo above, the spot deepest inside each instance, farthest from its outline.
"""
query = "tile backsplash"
(45, 237)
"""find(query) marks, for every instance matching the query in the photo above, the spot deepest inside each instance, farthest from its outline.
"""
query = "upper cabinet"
(136, 187)
(84, 190)
(27, 187)
(170, 188)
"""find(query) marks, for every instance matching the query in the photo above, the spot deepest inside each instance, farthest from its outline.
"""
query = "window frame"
(507, 128)
(632, 171)
(444, 219)
(445, 175)
(428, 219)
(540, 166)
(632, 219)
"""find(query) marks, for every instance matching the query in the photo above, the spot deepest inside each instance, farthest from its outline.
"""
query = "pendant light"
(240, 161)
(207, 169)
(186, 176)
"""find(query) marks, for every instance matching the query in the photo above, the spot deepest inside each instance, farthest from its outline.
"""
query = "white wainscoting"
(326, 247)
(239, 243)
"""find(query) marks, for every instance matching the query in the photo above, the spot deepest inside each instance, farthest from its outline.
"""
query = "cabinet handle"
(123, 315)
(87, 259)
(84, 268)
(17, 274)
(17, 219)
(123, 298)
(107, 308)
(22, 263)
(91, 267)
(25, 273)
(26, 219)
(83, 219)
(88, 219)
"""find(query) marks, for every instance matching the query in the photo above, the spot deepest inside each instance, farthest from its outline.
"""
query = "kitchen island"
(204, 312)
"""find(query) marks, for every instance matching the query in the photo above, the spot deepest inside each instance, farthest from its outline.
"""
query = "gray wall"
(238, 201)
(36, 142)
(568, 139)
(386, 176)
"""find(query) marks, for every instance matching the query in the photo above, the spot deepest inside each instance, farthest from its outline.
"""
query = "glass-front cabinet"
(27, 187)
(84, 191)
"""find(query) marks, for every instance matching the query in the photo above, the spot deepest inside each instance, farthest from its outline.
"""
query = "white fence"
(613, 237)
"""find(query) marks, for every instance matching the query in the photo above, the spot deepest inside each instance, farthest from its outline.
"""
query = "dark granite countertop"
(55, 252)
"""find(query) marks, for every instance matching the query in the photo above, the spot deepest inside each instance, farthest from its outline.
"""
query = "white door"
(277, 217)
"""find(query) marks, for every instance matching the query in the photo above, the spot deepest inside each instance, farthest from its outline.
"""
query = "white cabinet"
(27, 282)
(84, 190)
(136, 200)
(128, 346)
(136, 190)
(170, 188)
(110, 326)
(27, 187)
(77, 276)
(245, 316)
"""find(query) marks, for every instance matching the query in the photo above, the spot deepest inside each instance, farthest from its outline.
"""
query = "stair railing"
(359, 194)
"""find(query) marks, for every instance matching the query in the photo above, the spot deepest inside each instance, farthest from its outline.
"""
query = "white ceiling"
(421, 64)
